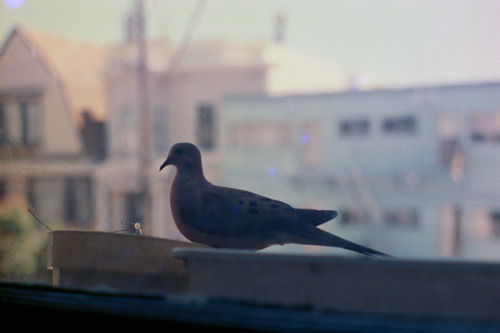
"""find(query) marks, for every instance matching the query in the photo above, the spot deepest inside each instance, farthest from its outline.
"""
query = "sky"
(381, 42)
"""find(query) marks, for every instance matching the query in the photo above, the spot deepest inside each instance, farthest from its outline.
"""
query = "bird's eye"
(178, 151)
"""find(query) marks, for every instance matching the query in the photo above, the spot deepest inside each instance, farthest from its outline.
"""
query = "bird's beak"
(167, 162)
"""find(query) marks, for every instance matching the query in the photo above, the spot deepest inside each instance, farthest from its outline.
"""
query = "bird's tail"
(310, 235)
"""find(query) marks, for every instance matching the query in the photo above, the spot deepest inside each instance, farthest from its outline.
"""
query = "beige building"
(186, 93)
(52, 113)
(70, 117)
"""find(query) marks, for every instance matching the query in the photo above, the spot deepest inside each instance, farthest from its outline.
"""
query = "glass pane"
(386, 112)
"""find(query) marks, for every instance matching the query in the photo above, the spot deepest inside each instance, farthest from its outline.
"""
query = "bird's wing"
(232, 212)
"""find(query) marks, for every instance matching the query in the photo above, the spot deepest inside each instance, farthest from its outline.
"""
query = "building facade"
(70, 114)
(52, 131)
(186, 94)
(411, 171)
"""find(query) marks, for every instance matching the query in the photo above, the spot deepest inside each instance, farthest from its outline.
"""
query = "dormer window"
(20, 121)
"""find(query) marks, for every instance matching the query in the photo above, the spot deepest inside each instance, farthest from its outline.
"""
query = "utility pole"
(145, 118)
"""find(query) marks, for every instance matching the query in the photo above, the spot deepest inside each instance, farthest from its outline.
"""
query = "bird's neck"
(191, 175)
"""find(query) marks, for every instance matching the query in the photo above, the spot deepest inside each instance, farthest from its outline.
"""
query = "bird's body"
(225, 217)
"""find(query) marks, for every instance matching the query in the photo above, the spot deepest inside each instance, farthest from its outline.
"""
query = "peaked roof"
(77, 65)
(81, 66)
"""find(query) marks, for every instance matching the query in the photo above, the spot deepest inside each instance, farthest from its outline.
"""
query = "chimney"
(279, 27)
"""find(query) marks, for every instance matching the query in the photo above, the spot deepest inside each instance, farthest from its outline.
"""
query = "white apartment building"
(414, 172)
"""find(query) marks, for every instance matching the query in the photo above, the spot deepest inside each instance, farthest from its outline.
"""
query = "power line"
(194, 19)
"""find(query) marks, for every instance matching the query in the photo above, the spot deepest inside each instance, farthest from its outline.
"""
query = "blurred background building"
(412, 171)
(53, 110)
(70, 116)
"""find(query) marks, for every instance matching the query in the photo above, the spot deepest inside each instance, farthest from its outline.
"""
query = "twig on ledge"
(136, 227)
(38, 220)
(122, 230)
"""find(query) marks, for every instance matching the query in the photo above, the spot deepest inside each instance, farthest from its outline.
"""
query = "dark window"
(93, 134)
(399, 125)
(354, 127)
(159, 132)
(495, 224)
(206, 127)
(353, 216)
(20, 122)
(401, 217)
(478, 137)
(77, 199)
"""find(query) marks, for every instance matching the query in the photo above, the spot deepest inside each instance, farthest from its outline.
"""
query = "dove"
(223, 217)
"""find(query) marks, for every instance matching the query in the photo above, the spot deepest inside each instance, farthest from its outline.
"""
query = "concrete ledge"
(122, 261)
(424, 289)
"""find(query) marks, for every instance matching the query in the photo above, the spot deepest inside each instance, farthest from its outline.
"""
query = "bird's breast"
(184, 202)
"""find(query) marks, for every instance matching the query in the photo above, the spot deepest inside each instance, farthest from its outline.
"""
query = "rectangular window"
(20, 122)
(354, 127)
(125, 135)
(400, 125)
(77, 200)
(63, 199)
(206, 127)
(401, 217)
(353, 216)
(93, 134)
(46, 197)
(31, 122)
(159, 132)
(485, 127)
(495, 224)
(261, 135)
(13, 123)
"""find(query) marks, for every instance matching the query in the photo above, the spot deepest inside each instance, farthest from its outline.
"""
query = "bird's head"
(184, 156)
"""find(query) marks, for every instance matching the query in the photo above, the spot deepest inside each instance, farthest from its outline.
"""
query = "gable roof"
(77, 66)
